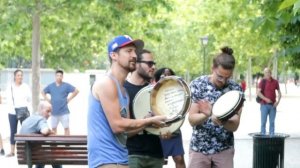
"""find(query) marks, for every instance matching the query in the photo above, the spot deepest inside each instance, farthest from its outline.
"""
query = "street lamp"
(204, 41)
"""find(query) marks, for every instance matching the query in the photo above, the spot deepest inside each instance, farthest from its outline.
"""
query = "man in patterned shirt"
(212, 142)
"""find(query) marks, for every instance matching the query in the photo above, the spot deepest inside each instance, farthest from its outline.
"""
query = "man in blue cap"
(108, 115)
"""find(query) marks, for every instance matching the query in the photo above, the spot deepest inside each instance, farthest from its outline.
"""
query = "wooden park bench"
(53, 149)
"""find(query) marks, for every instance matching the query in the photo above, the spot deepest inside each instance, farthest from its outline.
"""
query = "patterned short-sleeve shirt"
(209, 138)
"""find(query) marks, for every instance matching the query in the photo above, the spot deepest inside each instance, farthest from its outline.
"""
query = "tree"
(69, 34)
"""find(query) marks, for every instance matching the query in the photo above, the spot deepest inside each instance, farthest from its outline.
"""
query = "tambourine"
(170, 97)
(228, 104)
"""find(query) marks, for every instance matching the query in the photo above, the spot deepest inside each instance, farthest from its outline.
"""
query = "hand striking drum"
(170, 97)
(228, 104)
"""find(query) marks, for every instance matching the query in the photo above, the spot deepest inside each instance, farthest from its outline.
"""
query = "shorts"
(223, 159)
(137, 161)
(172, 146)
(64, 119)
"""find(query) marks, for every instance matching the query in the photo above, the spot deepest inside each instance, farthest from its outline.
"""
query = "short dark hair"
(59, 71)
(225, 59)
(140, 54)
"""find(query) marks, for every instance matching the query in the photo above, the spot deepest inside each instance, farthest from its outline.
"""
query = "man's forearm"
(46, 97)
(73, 95)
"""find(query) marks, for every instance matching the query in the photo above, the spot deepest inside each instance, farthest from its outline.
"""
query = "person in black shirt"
(144, 149)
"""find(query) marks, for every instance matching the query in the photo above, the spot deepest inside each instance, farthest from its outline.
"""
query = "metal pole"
(204, 41)
(204, 58)
(250, 77)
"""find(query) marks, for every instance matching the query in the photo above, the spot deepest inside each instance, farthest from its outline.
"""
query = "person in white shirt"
(2, 152)
(18, 96)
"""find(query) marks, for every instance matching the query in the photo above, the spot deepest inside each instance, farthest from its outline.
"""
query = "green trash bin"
(268, 150)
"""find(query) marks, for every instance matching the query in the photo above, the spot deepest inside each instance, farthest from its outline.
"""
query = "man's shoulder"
(105, 83)
(234, 85)
(33, 118)
(50, 85)
(275, 80)
(66, 84)
(200, 79)
(36, 116)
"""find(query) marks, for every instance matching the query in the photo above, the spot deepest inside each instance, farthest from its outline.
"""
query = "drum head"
(227, 104)
(141, 103)
(141, 107)
(170, 97)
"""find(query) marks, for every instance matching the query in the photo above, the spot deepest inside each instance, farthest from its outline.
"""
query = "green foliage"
(74, 33)
(287, 3)
(283, 26)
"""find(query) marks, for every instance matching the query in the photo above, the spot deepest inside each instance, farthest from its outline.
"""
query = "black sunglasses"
(149, 63)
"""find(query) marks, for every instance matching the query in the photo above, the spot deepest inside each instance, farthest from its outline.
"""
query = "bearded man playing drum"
(212, 142)
(144, 148)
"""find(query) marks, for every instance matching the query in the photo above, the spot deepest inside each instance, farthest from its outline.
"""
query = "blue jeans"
(267, 109)
(13, 123)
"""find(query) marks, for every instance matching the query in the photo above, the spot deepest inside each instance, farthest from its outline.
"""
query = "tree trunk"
(249, 76)
(36, 56)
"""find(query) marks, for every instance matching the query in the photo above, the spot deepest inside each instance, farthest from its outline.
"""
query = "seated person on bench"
(37, 124)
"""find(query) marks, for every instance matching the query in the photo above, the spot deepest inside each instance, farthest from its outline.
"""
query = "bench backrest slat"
(53, 149)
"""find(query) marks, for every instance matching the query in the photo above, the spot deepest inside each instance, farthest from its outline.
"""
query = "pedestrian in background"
(18, 97)
(212, 142)
(37, 124)
(267, 92)
(2, 152)
(172, 146)
(61, 94)
(243, 83)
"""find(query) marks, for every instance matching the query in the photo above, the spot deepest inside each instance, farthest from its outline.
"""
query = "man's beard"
(144, 75)
(130, 68)
(131, 65)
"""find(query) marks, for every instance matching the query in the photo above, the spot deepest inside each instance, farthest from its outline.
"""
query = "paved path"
(286, 122)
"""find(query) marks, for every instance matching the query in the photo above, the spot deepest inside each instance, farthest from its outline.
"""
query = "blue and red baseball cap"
(122, 41)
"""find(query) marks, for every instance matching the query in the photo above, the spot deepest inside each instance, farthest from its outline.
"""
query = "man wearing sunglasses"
(144, 149)
(212, 142)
